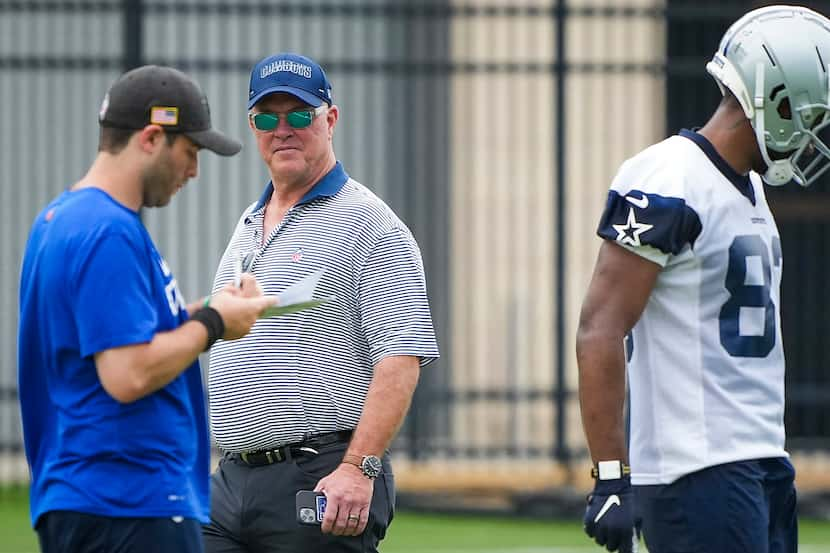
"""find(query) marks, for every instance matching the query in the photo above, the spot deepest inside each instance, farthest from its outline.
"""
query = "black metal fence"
(394, 62)
(410, 61)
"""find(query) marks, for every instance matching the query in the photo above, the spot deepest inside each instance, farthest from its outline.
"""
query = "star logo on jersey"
(630, 232)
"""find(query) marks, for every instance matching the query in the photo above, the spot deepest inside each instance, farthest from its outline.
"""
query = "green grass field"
(419, 533)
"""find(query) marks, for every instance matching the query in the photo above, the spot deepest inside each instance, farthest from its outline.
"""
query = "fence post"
(133, 34)
(560, 395)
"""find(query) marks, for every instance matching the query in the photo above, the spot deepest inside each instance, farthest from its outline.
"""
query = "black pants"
(253, 509)
(72, 532)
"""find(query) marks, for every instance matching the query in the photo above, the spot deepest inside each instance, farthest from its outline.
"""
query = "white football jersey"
(705, 360)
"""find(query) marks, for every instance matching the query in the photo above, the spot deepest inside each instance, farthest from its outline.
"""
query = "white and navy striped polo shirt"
(309, 372)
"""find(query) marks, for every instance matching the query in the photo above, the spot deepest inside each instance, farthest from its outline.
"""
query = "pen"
(237, 270)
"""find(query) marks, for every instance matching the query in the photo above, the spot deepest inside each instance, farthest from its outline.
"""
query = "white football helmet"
(776, 61)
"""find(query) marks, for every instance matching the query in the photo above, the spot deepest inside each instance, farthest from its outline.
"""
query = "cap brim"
(304, 95)
(215, 142)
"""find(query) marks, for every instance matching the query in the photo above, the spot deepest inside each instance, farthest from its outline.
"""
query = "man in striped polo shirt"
(310, 401)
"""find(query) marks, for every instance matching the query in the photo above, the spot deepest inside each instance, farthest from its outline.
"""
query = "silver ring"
(354, 517)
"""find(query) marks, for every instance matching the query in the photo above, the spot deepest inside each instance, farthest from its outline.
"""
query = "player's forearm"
(131, 372)
(601, 360)
(387, 402)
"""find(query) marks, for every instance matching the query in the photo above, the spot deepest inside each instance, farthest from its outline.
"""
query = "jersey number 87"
(746, 295)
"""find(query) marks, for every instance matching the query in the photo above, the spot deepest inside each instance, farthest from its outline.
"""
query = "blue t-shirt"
(93, 280)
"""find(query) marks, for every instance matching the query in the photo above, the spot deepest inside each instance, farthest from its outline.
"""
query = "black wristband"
(213, 322)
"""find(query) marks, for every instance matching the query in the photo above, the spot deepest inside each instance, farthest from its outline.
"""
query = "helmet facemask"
(791, 140)
(812, 159)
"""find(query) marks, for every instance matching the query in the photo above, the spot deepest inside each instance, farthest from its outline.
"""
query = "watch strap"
(610, 470)
(356, 460)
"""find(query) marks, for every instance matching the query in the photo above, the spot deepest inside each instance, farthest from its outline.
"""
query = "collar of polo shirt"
(328, 186)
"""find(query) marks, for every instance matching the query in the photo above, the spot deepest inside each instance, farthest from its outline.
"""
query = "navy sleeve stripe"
(640, 219)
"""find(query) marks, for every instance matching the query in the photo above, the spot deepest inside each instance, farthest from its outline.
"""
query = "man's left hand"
(348, 497)
(609, 516)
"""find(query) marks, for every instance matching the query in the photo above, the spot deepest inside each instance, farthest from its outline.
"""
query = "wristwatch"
(370, 465)
(610, 470)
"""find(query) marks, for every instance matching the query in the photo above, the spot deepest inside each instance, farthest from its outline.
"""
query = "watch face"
(371, 466)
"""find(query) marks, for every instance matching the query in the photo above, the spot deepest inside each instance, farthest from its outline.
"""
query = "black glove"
(609, 516)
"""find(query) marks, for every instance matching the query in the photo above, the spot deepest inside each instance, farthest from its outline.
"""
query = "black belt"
(309, 445)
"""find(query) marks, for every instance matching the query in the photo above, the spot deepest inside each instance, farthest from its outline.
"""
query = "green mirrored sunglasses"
(297, 119)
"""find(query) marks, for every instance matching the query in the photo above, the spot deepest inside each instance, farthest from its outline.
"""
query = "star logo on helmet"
(630, 232)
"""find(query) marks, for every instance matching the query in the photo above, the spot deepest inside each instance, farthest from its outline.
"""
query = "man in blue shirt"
(110, 386)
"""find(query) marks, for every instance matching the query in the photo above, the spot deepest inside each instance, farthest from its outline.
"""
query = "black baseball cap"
(164, 96)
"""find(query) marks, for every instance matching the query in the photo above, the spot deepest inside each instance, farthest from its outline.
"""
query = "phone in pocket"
(311, 507)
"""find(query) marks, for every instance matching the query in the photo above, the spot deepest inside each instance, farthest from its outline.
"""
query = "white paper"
(298, 296)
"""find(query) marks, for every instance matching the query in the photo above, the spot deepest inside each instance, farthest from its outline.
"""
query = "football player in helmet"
(690, 271)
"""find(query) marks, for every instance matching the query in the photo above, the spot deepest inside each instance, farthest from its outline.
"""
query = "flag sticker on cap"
(164, 115)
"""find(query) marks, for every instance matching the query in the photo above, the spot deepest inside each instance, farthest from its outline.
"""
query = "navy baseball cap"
(165, 96)
(290, 73)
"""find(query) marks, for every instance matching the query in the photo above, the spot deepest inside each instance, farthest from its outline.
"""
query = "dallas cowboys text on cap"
(290, 74)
